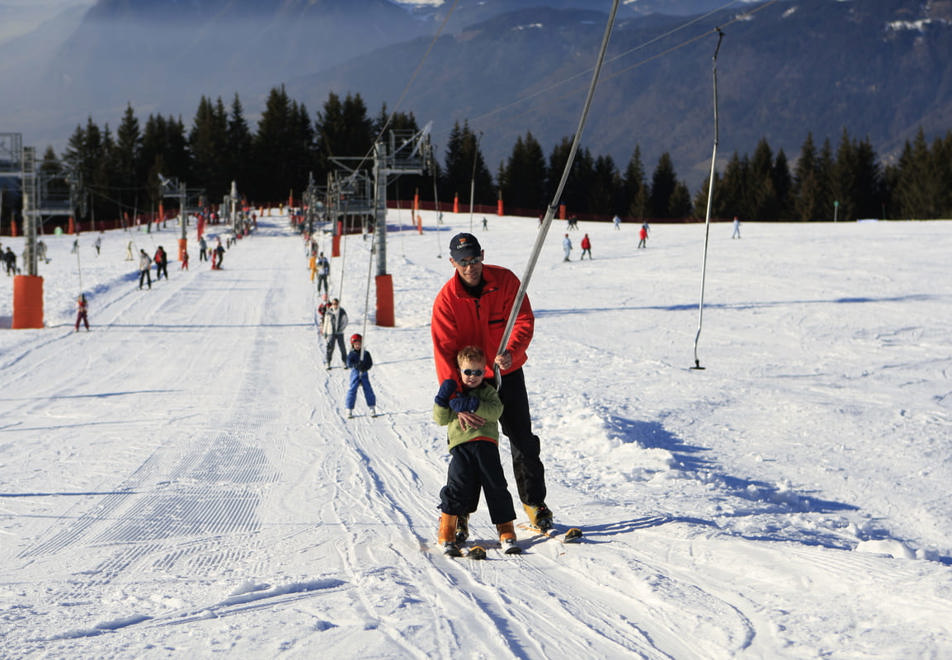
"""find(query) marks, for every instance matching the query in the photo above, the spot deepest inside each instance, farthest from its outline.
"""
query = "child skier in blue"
(360, 363)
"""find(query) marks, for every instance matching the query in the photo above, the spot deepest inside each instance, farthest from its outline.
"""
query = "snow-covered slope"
(181, 481)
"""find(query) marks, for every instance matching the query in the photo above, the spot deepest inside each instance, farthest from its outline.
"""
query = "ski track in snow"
(182, 479)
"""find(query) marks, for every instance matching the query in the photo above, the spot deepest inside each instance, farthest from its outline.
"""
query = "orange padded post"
(27, 302)
(384, 300)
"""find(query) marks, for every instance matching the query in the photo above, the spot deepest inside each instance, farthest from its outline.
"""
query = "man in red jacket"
(473, 308)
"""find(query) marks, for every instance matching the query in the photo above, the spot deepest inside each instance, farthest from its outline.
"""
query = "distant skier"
(586, 248)
(617, 222)
(323, 271)
(643, 236)
(736, 233)
(161, 264)
(202, 249)
(219, 254)
(145, 268)
(81, 308)
(10, 260)
(98, 244)
(566, 247)
(360, 363)
(335, 320)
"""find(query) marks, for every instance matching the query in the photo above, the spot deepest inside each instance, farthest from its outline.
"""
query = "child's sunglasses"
(472, 372)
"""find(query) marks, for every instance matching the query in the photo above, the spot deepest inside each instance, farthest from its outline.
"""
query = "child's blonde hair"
(473, 354)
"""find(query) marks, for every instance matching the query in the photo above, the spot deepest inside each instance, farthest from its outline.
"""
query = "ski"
(477, 552)
(563, 535)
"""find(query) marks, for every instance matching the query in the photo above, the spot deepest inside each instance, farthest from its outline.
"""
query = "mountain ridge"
(878, 69)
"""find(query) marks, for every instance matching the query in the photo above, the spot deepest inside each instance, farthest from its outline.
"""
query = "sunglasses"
(472, 372)
(472, 261)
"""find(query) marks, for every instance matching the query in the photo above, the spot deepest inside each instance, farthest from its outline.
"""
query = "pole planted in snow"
(707, 215)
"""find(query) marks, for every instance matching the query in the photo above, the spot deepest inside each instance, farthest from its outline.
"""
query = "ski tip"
(512, 550)
(572, 534)
(477, 552)
(451, 550)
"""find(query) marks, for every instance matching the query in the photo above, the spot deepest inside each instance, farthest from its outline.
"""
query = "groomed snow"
(181, 481)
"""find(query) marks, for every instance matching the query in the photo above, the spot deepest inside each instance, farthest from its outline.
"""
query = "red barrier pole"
(384, 300)
(27, 302)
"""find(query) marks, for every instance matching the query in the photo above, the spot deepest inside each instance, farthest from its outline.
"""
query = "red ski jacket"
(460, 319)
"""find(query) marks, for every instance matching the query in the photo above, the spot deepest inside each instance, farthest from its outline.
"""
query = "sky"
(182, 480)
(18, 17)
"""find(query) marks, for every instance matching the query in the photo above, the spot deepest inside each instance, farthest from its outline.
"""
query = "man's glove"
(464, 404)
(447, 388)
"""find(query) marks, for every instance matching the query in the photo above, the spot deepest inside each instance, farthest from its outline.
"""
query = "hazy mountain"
(880, 68)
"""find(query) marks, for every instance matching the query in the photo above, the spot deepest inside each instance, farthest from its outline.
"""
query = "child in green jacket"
(474, 451)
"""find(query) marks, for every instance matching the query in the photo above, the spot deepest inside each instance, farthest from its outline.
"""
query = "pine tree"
(463, 160)
(606, 192)
(522, 176)
(208, 141)
(237, 157)
(635, 188)
(129, 172)
(663, 184)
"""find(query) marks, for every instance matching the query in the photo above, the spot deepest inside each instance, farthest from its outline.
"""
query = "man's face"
(470, 269)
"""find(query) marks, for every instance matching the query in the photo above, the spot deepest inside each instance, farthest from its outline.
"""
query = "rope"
(436, 207)
(370, 263)
(550, 211)
(707, 215)
(79, 268)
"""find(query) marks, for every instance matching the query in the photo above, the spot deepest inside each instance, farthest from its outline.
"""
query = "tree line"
(121, 170)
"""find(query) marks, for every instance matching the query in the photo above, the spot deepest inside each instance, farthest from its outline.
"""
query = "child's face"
(355, 345)
(475, 375)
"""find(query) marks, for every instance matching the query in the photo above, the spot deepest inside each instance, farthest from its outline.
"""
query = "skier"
(184, 265)
(474, 452)
(321, 311)
(586, 248)
(145, 268)
(161, 264)
(202, 249)
(335, 320)
(323, 270)
(81, 306)
(360, 363)
(220, 253)
(472, 308)
(98, 244)
(566, 247)
(617, 222)
(643, 236)
(736, 233)
(10, 259)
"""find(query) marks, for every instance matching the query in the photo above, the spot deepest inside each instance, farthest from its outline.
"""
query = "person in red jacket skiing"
(586, 248)
(473, 308)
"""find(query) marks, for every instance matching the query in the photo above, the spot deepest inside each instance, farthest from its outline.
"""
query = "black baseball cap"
(464, 246)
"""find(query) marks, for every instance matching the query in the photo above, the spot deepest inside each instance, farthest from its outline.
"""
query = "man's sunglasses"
(472, 261)
(472, 372)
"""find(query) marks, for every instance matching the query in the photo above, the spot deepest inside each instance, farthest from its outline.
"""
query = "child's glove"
(447, 388)
(464, 404)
